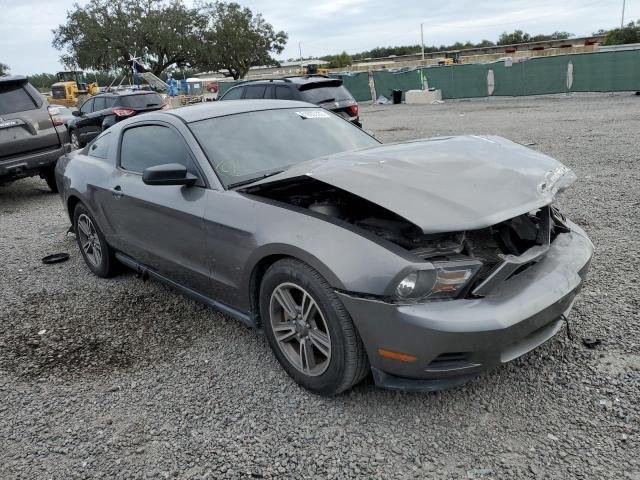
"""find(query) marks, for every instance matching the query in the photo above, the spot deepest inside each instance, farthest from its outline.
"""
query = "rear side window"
(14, 98)
(146, 100)
(233, 94)
(99, 103)
(99, 148)
(283, 93)
(255, 91)
(151, 145)
(326, 94)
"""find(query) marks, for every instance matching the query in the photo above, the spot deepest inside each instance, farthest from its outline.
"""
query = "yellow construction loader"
(71, 89)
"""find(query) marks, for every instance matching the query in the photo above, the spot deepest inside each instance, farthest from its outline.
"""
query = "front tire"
(97, 254)
(309, 330)
(49, 175)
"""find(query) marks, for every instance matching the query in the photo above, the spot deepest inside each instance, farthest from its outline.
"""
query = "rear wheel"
(309, 331)
(97, 254)
(74, 139)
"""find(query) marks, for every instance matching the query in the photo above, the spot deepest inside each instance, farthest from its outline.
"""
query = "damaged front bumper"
(448, 342)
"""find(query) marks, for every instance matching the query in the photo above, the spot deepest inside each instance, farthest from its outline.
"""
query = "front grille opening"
(450, 361)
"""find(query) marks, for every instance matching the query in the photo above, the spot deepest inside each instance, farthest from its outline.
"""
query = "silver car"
(422, 262)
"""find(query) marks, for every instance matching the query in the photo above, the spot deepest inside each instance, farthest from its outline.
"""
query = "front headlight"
(445, 281)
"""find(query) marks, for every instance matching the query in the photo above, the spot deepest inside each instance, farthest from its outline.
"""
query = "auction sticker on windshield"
(313, 114)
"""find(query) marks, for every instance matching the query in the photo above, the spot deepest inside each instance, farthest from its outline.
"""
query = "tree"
(235, 39)
(4, 69)
(485, 43)
(553, 36)
(42, 80)
(518, 36)
(620, 36)
(338, 61)
(105, 34)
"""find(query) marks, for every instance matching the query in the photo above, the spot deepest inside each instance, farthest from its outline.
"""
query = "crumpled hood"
(444, 184)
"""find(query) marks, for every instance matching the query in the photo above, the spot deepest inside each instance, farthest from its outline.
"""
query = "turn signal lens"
(451, 280)
(404, 357)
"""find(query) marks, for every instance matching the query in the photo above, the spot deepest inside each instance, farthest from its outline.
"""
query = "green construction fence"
(357, 83)
(585, 72)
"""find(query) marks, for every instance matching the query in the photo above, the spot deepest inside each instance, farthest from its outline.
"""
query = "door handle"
(116, 191)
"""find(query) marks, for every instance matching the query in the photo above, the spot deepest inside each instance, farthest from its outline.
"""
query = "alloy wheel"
(89, 240)
(75, 141)
(300, 329)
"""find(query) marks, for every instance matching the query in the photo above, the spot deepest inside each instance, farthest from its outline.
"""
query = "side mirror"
(168, 174)
(76, 113)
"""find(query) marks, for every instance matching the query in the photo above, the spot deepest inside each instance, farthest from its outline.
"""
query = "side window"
(99, 103)
(283, 93)
(110, 101)
(150, 145)
(233, 94)
(99, 148)
(270, 92)
(255, 91)
(87, 106)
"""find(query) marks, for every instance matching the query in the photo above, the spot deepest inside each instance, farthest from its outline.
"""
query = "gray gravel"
(124, 379)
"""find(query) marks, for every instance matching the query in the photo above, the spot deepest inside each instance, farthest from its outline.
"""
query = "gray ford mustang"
(423, 262)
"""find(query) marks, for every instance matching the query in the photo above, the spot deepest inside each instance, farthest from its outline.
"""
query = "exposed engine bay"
(511, 237)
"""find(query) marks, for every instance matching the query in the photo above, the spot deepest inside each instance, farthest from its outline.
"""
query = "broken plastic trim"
(511, 263)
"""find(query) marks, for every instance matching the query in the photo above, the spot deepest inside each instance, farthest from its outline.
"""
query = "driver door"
(83, 123)
(160, 226)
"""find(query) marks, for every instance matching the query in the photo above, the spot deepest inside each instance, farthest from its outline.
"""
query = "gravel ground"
(123, 379)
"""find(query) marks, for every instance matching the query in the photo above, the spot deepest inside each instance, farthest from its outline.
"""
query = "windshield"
(326, 94)
(252, 145)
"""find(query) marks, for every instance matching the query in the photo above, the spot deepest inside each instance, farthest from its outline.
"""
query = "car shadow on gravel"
(117, 332)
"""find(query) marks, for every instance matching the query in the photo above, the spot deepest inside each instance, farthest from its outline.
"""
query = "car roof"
(124, 93)
(13, 78)
(242, 83)
(304, 79)
(294, 80)
(202, 111)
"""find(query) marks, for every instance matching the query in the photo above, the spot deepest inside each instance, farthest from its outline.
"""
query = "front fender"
(287, 250)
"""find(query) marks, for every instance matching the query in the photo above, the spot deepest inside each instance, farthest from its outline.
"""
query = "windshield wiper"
(332, 99)
(251, 180)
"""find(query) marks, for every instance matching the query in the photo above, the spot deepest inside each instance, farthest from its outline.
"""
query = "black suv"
(101, 111)
(326, 92)
(31, 140)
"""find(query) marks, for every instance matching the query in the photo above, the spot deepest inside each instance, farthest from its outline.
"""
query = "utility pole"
(300, 49)
(422, 38)
(622, 20)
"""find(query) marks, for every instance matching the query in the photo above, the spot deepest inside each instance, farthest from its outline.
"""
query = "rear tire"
(321, 351)
(49, 176)
(97, 254)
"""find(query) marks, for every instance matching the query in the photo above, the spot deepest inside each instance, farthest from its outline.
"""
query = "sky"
(331, 26)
